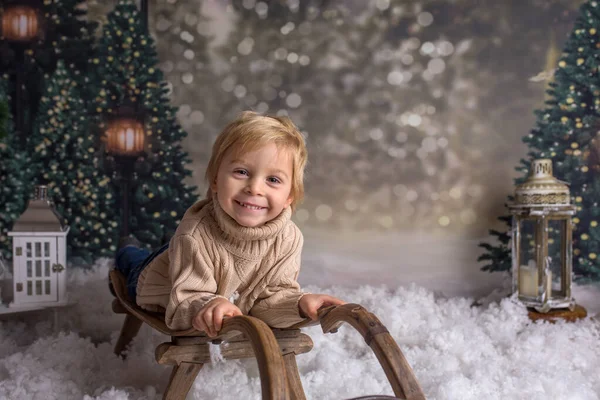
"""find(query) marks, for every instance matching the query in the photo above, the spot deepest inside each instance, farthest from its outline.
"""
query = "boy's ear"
(213, 186)
(289, 201)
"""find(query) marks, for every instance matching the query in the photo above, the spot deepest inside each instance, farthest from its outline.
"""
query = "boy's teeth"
(250, 207)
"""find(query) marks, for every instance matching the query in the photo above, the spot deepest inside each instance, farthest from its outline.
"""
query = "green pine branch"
(3, 118)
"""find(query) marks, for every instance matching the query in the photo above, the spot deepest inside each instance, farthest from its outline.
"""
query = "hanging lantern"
(542, 240)
(125, 135)
(20, 23)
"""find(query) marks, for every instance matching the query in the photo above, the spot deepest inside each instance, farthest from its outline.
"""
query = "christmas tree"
(126, 70)
(3, 117)
(15, 177)
(64, 157)
(566, 131)
(67, 35)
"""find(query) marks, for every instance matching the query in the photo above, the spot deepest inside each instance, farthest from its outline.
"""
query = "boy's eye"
(240, 172)
(274, 179)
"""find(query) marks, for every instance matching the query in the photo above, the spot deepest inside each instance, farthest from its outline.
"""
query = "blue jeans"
(131, 261)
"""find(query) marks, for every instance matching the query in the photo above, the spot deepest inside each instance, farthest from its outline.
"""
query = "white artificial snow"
(215, 353)
(460, 346)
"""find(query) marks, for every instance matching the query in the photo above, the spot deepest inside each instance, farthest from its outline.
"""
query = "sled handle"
(394, 364)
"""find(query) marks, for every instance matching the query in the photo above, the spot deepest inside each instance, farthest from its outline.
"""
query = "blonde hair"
(250, 131)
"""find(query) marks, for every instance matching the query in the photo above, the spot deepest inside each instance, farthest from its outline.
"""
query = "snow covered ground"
(422, 289)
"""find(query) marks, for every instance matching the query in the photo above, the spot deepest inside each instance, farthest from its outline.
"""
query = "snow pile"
(457, 350)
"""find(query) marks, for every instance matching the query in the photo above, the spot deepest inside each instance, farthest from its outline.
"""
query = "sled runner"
(274, 349)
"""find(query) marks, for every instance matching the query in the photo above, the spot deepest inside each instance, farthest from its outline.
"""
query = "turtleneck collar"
(232, 229)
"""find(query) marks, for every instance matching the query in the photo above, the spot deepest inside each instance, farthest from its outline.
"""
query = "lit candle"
(528, 279)
(548, 284)
(22, 23)
(129, 139)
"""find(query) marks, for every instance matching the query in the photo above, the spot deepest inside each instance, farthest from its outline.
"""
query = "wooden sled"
(274, 349)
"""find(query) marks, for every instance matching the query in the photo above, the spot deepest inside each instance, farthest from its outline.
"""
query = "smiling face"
(253, 188)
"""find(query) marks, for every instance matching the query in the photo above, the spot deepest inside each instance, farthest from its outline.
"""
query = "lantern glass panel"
(528, 248)
(20, 23)
(528, 232)
(125, 136)
(556, 253)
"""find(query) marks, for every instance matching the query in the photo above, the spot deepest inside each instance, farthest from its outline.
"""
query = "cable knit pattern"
(212, 256)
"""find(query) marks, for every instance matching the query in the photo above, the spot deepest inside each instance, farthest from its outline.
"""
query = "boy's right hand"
(210, 317)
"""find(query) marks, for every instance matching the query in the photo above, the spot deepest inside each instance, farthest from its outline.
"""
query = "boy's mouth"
(249, 206)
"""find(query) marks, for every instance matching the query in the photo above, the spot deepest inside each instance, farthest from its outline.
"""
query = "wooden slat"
(293, 377)
(131, 327)
(155, 320)
(270, 362)
(182, 379)
(172, 354)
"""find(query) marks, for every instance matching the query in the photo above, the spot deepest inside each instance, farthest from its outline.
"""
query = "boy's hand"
(210, 317)
(309, 304)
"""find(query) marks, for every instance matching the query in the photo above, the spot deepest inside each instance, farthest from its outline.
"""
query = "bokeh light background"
(413, 110)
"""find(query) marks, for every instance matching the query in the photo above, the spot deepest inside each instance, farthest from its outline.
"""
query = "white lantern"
(39, 255)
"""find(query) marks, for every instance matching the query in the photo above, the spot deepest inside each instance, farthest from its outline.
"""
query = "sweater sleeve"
(277, 305)
(193, 281)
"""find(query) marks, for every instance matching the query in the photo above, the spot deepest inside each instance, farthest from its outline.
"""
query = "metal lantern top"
(541, 189)
(39, 216)
(20, 23)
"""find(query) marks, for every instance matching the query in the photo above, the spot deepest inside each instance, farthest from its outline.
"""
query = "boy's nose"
(254, 187)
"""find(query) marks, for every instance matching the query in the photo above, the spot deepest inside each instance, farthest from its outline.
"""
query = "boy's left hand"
(309, 304)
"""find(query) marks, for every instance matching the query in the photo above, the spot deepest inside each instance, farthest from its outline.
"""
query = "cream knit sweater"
(212, 256)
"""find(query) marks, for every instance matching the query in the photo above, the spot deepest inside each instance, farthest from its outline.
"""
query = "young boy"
(236, 252)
